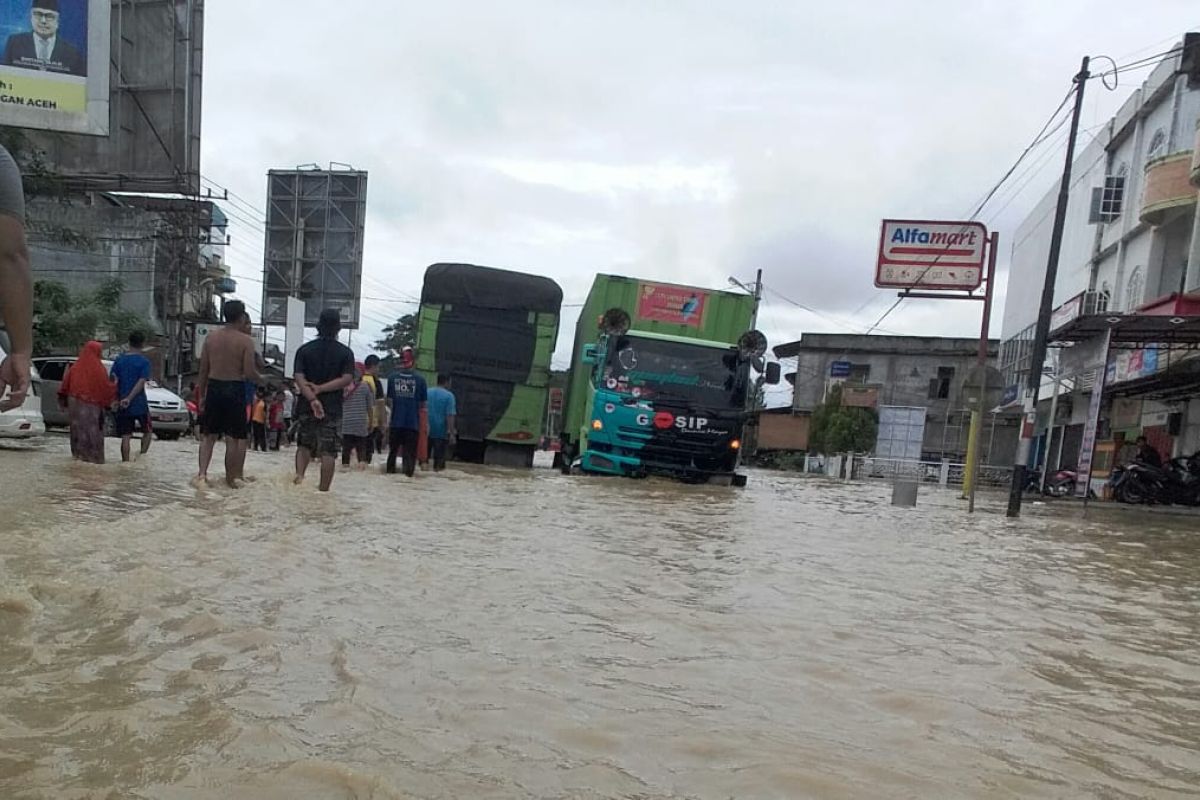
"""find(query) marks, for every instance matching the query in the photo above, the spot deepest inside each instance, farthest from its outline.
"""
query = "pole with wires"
(1042, 331)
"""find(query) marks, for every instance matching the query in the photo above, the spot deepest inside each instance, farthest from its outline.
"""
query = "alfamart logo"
(664, 420)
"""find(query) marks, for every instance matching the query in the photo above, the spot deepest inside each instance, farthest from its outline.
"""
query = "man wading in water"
(226, 364)
(323, 369)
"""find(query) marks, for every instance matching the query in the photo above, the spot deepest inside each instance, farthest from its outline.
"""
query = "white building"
(1132, 237)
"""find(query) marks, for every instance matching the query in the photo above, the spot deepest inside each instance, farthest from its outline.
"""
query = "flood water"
(494, 634)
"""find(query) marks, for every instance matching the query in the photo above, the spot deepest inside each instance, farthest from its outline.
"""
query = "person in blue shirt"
(407, 395)
(132, 371)
(443, 414)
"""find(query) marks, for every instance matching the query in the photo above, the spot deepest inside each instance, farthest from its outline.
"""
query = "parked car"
(26, 421)
(168, 413)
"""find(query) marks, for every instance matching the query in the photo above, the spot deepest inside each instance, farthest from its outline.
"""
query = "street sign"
(920, 254)
(840, 369)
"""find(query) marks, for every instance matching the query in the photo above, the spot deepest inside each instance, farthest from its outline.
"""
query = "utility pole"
(1042, 331)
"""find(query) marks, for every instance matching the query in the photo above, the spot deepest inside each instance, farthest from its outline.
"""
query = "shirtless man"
(16, 287)
(226, 363)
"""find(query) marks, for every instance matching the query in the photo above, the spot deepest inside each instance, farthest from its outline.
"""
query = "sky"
(677, 141)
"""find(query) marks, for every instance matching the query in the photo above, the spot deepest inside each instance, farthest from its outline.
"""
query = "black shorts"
(125, 424)
(321, 437)
(225, 410)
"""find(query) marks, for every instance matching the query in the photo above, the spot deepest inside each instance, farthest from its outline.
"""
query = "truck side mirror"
(774, 373)
(590, 353)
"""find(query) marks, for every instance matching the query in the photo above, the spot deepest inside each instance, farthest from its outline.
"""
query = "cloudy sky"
(681, 141)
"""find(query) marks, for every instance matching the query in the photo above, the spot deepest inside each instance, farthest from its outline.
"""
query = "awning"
(1131, 329)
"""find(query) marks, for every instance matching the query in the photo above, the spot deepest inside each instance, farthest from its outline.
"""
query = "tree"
(65, 321)
(400, 334)
(838, 429)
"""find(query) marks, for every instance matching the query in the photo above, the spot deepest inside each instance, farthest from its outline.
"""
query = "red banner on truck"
(678, 304)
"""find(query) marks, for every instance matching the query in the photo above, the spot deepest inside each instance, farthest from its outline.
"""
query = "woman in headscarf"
(86, 391)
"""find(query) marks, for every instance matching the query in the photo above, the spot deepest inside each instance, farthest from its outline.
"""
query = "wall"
(117, 242)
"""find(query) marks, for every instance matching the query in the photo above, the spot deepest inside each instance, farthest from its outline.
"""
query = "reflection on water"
(502, 634)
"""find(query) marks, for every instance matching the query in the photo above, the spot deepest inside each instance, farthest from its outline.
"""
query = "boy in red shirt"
(275, 420)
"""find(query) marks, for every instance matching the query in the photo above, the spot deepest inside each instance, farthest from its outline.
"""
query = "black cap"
(47, 5)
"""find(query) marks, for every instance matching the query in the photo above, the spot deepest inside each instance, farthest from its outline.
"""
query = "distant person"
(324, 367)
(379, 407)
(258, 421)
(87, 392)
(1147, 455)
(132, 372)
(275, 425)
(226, 364)
(16, 287)
(443, 419)
(42, 48)
(356, 423)
(407, 395)
(289, 410)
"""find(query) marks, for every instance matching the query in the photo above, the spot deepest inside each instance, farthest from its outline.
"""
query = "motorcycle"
(1138, 484)
(1062, 483)
(1175, 483)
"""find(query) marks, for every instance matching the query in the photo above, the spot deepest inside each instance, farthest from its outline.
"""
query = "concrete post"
(944, 477)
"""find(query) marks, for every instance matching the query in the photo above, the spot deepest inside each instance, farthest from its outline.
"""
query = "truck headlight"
(597, 425)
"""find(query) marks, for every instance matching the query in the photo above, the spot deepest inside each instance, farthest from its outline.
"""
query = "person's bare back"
(230, 356)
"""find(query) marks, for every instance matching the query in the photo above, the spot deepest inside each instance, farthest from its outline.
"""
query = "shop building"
(1131, 249)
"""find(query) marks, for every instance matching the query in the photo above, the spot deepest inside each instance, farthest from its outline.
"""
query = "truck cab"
(666, 405)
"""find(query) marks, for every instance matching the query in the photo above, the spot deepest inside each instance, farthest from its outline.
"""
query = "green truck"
(662, 381)
(493, 332)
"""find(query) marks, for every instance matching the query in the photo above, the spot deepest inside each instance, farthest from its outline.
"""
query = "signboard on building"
(1129, 365)
(1087, 448)
(901, 432)
(840, 369)
(1126, 413)
(1066, 313)
(1011, 395)
(860, 396)
(919, 254)
(315, 226)
(680, 305)
(61, 86)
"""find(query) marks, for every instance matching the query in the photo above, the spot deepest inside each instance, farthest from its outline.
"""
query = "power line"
(1041, 136)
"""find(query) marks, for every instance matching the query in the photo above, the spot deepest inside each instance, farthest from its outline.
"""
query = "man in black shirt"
(324, 368)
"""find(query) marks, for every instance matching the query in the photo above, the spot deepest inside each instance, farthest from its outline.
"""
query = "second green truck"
(662, 381)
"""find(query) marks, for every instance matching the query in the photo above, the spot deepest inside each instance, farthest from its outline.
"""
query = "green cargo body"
(493, 332)
(724, 317)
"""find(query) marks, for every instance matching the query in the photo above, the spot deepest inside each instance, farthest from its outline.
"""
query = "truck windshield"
(678, 371)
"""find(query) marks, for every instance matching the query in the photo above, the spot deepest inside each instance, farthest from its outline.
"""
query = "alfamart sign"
(919, 254)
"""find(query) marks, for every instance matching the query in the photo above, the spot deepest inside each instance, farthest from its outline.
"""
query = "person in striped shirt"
(356, 421)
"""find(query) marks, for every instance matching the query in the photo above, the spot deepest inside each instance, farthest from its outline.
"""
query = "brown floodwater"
(496, 634)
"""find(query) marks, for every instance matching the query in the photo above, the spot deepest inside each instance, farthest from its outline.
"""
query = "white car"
(26, 421)
(168, 413)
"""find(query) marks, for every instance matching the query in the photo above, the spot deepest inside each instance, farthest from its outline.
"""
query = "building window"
(859, 373)
(1108, 200)
(1134, 294)
(1158, 145)
(939, 387)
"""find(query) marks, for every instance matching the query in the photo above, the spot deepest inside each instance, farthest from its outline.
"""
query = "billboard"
(676, 304)
(54, 65)
(919, 254)
(145, 60)
(314, 249)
